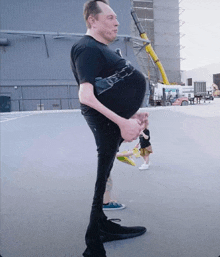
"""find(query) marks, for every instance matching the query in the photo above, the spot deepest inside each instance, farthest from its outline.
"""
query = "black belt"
(103, 84)
(124, 72)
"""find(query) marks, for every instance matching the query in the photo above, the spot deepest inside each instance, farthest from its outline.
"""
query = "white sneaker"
(144, 166)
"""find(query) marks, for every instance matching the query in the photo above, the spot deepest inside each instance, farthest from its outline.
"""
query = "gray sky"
(200, 33)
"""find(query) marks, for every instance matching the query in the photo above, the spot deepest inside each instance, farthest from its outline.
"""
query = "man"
(111, 115)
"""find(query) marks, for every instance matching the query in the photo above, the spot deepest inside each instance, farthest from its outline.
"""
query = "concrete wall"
(167, 38)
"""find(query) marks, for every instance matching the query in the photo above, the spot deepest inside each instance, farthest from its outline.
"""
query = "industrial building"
(36, 38)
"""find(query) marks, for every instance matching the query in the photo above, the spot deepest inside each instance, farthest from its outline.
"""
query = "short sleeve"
(89, 64)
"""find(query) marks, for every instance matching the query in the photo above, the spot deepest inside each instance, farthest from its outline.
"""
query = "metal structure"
(160, 21)
(148, 47)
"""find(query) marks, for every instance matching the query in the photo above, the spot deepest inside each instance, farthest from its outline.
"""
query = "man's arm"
(130, 128)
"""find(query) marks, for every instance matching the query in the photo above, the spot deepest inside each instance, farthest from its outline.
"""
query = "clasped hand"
(131, 128)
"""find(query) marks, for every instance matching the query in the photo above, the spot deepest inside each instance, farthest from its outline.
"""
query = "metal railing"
(44, 104)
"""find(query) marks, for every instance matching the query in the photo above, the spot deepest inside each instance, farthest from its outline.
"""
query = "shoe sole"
(107, 237)
(113, 209)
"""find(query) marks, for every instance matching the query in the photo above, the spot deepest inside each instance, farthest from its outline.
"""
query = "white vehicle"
(169, 90)
(198, 91)
(168, 95)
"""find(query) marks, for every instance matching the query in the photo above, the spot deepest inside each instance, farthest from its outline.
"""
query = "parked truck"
(162, 94)
(166, 95)
(198, 91)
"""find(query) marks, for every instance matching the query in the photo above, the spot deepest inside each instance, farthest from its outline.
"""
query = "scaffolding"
(161, 23)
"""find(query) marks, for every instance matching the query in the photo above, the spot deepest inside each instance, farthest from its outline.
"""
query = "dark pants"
(108, 139)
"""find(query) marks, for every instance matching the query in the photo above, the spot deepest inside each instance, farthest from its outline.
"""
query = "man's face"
(106, 25)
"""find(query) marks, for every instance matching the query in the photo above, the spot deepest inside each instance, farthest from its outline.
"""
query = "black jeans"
(108, 139)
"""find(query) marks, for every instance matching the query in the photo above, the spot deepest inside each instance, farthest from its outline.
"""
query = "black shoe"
(95, 249)
(93, 254)
(110, 231)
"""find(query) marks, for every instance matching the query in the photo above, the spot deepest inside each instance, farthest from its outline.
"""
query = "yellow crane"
(148, 47)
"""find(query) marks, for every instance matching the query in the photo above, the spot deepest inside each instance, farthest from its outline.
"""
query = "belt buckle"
(123, 74)
(110, 81)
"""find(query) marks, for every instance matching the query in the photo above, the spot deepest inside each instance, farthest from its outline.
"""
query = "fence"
(44, 104)
(56, 97)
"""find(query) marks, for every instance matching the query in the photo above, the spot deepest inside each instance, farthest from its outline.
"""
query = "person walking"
(145, 148)
(111, 91)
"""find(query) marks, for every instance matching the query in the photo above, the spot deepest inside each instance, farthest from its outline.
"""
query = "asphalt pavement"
(48, 171)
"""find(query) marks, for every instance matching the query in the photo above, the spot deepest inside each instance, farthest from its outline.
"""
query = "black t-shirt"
(91, 59)
(145, 142)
